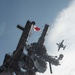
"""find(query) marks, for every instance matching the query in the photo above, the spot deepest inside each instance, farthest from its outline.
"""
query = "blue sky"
(13, 12)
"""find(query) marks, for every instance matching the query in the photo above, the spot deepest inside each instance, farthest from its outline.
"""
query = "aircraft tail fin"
(64, 47)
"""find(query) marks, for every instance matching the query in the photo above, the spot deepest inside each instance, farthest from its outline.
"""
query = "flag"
(36, 28)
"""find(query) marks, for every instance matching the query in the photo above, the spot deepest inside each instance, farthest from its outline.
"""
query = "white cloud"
(64, 28)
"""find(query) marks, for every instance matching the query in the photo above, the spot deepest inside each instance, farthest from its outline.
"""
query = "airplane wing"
(62, 41)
